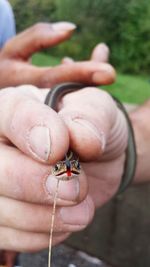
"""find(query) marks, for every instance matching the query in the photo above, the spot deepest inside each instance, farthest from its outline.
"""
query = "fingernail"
(91, 127)
(77, 215)
(40, 142)
(68, 190)
(104, 47)
(63, 26)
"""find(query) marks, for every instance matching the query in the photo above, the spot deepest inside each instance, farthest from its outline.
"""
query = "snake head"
(66, 169)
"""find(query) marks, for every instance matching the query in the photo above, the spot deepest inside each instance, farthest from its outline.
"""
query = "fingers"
(20, 241)
(89, 72)
(32, 126)
(94, 123)
(39, 36)
(85, 72)
(29, 217)
(100, 53)
(31, 232)
(31, 181)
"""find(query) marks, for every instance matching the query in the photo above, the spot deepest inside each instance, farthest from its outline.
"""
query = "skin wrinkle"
(79, 119)
(78, 115)
(106, 103)
(115, 130)
(117, 152)
(115, 138)
(73, 117)
(99, 135)
(119, 124)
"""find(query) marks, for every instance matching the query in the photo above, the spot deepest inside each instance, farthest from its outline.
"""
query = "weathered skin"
(102, 186)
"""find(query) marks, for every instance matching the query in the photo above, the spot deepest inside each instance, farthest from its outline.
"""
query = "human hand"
(35, 137)
(32, 227)
(16, 69)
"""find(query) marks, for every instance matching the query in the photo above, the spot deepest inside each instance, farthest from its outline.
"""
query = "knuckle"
(112, 74)
(36, 32)
(95, 93)
(107, 99)
(8, 47)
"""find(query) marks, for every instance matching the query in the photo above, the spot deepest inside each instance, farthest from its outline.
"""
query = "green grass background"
(128, 88)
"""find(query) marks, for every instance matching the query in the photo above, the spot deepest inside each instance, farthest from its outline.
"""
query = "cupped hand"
(15, 67)
(34, 137)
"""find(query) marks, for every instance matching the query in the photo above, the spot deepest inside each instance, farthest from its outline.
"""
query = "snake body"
(60, 90)
(69, 167)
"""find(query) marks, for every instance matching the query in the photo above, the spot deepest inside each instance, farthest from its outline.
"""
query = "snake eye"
(77, 165)
(56, 168)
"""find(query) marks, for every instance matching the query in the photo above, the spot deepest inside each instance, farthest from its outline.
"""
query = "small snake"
(69, 167)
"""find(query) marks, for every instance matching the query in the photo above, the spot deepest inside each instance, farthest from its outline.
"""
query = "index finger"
(40, 35)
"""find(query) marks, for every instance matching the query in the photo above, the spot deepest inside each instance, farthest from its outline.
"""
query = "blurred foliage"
(123, 25)
(29, 12)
